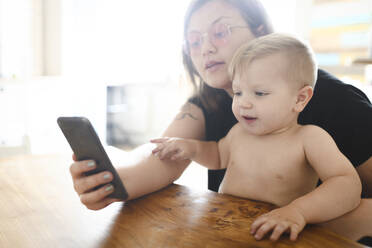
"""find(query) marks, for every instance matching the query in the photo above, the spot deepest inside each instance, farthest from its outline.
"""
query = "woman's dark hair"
(254, 15)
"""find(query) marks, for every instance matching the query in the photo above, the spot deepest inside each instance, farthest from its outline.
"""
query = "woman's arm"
(141, 173)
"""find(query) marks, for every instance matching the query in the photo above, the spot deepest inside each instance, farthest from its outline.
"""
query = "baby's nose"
(246, 104)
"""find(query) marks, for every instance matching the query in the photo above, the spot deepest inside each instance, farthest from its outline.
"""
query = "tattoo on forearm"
(183, 116)
(185, 112)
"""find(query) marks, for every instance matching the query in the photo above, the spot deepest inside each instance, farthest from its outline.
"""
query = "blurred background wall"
(119, 63)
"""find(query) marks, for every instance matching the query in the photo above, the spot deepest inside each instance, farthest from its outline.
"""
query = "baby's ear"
(303, 97)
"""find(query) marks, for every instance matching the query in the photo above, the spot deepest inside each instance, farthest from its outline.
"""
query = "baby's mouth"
(249, 118)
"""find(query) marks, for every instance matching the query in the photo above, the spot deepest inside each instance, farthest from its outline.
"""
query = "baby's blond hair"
(302, 67)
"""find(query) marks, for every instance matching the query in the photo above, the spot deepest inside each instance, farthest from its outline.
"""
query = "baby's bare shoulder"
(309, 130)
(235, 131)
(236, 128)
(312, 134)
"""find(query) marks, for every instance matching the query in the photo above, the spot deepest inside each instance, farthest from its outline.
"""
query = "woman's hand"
(85, 186)
(285, 219)
(174, 148)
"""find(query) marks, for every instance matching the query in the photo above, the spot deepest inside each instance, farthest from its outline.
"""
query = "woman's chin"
(219, 83)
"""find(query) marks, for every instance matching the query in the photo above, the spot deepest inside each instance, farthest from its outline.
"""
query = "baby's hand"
(285, 219)
(174, 148)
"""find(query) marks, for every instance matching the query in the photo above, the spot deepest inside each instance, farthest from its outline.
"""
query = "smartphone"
(85, 144)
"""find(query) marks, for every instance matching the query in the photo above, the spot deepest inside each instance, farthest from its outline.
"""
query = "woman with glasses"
(213, 31)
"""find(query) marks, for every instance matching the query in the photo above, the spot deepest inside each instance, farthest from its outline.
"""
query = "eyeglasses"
(218, 34)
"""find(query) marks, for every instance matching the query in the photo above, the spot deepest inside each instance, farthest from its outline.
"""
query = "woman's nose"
(207, 46)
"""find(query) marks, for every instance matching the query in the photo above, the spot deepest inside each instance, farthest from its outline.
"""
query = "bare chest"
(272, 170)
(277, 155)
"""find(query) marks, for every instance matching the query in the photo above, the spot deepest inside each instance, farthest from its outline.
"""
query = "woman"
(214, 29)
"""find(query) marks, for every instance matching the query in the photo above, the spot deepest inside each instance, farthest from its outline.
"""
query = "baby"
(268, 156)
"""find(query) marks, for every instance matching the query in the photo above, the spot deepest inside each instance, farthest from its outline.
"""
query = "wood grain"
(38, 208)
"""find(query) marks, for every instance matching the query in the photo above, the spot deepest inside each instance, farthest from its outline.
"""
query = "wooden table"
(38, 208)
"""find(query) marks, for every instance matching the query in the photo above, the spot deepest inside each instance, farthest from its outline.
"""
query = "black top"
(341, 109)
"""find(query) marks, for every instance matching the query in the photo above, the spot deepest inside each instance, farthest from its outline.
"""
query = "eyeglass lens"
(217, 34)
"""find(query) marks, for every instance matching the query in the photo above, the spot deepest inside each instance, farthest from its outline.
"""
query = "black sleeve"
(218, 122)
(345, 112)
(217, 125)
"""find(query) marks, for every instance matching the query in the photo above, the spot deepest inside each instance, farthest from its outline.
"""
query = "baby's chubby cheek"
(235, 111)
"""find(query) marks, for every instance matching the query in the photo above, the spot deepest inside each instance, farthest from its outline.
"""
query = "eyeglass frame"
(186, 46)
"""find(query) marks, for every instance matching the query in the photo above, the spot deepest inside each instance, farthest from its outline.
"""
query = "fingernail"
(109, 188)
(106, 176)
(91, 163)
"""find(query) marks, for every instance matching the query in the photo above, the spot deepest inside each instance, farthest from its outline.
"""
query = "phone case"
(85, 144)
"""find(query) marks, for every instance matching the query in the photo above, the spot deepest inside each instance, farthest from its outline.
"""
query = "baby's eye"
(260, 93)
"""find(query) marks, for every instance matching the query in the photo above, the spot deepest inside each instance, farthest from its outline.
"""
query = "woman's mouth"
(213, 66)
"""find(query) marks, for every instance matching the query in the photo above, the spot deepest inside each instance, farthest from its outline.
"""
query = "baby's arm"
(203, 152)
(338, 194)
(210, 154)
(341, 188)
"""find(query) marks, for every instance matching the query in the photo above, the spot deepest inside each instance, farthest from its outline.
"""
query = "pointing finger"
(158, 140)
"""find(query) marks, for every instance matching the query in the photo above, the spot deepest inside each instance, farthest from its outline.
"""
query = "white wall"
(52, 37)
(29, 111)
(16, 20)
